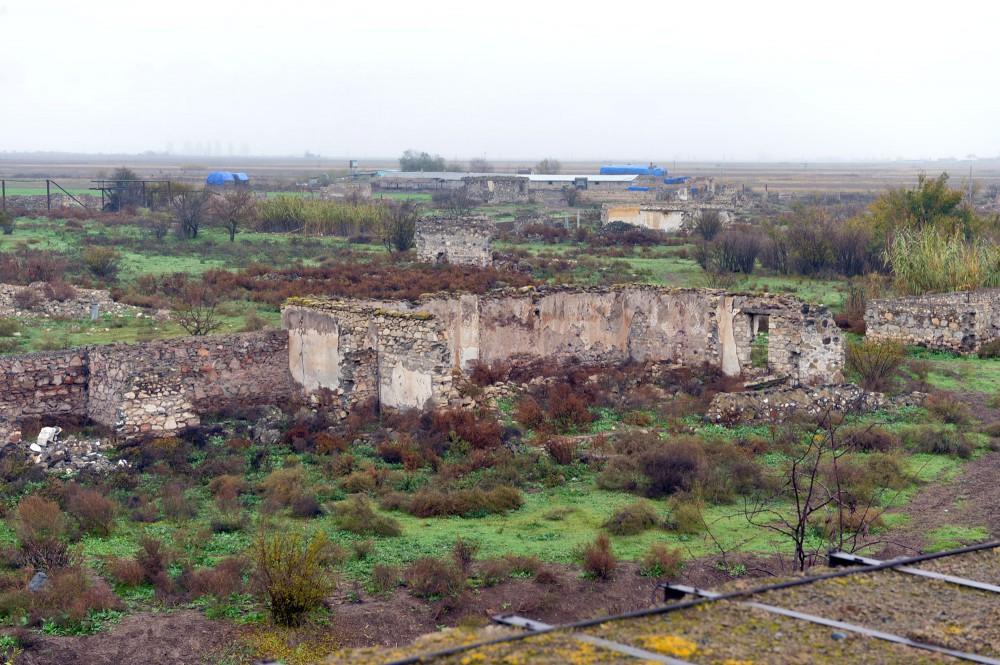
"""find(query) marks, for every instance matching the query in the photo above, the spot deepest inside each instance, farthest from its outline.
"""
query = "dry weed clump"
(598, 559)
(289, 570)
(632, 519)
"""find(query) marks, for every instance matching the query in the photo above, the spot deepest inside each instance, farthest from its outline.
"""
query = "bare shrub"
(282, 487)
(563, 451)
(357, 515)
(686, 514)
(102, 262)
(598, 559)
(947, 408)
(385, 578)
(672, 468)
(127, 572)
(93, 511)
(289, 571)
(430, 577)
(70, 595)
(632, 519)
(176, 504)
(42, 530)
(196, 310)
(875, 361)
(464, 553)
(661, 561)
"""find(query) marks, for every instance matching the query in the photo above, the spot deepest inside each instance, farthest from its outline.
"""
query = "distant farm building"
(659, 216)
(223, 178)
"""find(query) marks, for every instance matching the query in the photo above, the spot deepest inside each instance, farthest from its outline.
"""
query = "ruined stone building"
(150, 389)
(405, 354)
(461, 241)
(497, 189)
(661, 216)
(961, 321)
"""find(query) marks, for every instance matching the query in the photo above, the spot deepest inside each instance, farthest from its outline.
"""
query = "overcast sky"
(503, 79)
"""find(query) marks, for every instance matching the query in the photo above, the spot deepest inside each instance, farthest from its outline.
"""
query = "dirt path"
(184, 637)
(970, 499)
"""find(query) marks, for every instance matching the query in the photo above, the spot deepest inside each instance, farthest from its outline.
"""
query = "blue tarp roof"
(638, 188)
(632, 169)
(224, 177)
(676, 180)
(219, 178)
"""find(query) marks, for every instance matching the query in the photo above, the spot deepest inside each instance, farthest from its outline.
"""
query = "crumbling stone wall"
(77, 307)
(661, 216)
(687, 326)
(961, 321)
(494, 189)
(353, 351)
(40, 385)
(463, 241)
(151, 388)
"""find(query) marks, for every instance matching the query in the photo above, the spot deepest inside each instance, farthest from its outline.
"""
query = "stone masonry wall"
(960, 321)
(417, 346)
(152, 388)
(494, 189)
(39, 385)
(354, 351)
(464, 241)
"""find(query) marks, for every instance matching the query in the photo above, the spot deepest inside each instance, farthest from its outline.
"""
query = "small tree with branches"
(190, 207)
(196, 310)
(399, 225)
(233, 209)
(814, 506)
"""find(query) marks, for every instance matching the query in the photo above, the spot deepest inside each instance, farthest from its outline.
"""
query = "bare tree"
(549, 166)
(455, 201)
(190, 207)
(196, 310)
(823, 512)
(707, 224)
(399, 225)
(234, 208)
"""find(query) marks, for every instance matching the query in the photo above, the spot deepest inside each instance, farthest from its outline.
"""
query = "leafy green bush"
(290, 571)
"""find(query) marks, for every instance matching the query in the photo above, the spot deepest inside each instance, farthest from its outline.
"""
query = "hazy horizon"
(783, 82)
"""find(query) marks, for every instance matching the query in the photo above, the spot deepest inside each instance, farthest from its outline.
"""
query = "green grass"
(952, 536)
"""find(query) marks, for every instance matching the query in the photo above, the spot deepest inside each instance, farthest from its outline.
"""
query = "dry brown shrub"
(42, 530)
(282, 487)
(661, 561)
(562, 450)
(431, 577)
(632, 519)
(176, 504)
(599, 560)
(127, 572)
(528, 412)
(385, 578)
(225, 579)
(70, 595)
(93, 511)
